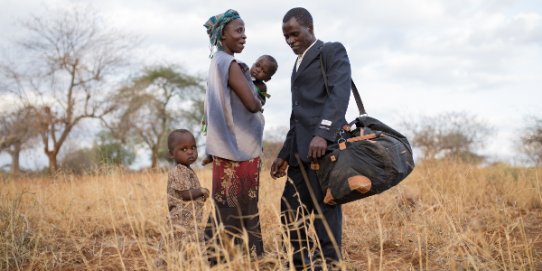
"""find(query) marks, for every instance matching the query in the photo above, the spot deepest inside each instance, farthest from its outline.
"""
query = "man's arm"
(338, 74)
(284, 152)
(337, 68)
(278, 168)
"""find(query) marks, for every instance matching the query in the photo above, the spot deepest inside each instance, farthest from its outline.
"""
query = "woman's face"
(234, 38)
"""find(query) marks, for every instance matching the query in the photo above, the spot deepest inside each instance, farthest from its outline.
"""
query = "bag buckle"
(341, 140)
(342, 143)
(315, 165)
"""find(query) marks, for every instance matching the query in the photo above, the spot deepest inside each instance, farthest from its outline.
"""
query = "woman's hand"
(208, 159)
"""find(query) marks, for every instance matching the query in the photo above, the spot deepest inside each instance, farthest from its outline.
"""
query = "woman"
(234, 134)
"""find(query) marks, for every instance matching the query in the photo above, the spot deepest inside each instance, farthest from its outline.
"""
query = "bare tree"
(531, 141)
(451, 134)
(161, 98)
(64, 62)
(18, 129)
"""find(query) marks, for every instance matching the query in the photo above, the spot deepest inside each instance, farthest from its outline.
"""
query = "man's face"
(297, 36)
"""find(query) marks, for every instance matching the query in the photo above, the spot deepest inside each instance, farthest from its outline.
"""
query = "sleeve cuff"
(327, 133)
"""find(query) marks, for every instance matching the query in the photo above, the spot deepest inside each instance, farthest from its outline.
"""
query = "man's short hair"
(302, 16)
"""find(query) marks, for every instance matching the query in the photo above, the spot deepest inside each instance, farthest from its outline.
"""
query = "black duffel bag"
(365, 160)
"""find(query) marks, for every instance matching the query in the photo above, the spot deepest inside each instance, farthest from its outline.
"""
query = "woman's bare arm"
(239, 84)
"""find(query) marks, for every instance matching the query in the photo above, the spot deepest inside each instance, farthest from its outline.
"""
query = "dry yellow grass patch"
(445, 216)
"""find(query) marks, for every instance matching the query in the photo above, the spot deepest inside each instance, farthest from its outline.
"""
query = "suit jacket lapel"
(293, 75)
(312, 53)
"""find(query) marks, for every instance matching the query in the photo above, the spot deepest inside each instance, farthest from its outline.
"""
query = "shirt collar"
(303, 54)
(300, 57)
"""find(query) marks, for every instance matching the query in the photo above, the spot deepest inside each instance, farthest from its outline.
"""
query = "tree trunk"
(15, 152)
(154, 158)
(53, 165)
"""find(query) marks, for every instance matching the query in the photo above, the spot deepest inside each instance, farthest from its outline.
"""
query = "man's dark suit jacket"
(315, 112)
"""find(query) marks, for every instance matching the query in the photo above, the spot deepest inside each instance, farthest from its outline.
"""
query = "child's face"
(185, 151)
(260, 70)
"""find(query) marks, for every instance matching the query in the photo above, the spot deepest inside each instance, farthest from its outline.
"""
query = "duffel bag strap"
(364, 137)
(355, 91)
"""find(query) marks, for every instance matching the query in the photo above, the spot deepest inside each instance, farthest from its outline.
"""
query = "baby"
(261, 71)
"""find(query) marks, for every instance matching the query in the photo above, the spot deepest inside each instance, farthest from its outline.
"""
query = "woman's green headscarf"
(216, 24)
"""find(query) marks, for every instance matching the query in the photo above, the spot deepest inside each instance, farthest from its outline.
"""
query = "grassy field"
(444, 216)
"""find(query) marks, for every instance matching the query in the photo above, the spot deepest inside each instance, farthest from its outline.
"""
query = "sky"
(409, 58)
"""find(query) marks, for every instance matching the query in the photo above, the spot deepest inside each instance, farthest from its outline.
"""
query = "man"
(315, 119)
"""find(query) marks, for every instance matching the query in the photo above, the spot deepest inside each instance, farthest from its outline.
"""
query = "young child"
(185, 196)
(261, 71)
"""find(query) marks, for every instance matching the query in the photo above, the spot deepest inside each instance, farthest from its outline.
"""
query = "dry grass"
(445, 216)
